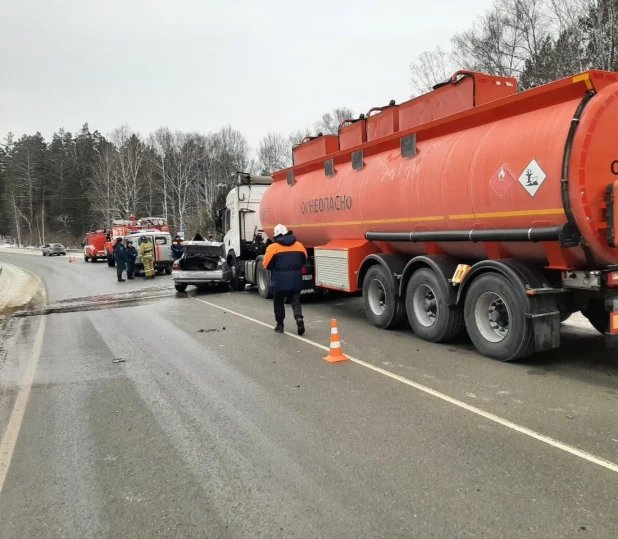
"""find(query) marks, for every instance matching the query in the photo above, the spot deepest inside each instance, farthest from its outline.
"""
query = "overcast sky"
(196, 65)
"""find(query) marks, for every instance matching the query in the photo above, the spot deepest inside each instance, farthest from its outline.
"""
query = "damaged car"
(203, 265)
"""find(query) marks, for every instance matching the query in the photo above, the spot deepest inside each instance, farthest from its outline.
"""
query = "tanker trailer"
(471, 208)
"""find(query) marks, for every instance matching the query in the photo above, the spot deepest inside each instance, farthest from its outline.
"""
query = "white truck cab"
(241, 218)
(244, 239)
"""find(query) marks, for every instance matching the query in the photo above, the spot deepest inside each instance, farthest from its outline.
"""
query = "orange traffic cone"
(335, 354)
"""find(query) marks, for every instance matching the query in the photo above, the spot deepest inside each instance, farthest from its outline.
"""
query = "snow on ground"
(17, 288)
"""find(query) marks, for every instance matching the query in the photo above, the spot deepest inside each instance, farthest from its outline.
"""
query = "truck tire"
(494, 314)
(597, 315)
(238, 283)
(430, 317)
(180, 287)
(382, 307)
(262, 278)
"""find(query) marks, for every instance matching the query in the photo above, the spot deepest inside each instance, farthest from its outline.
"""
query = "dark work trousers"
(279, 304)
(130, 269)
(120, 266)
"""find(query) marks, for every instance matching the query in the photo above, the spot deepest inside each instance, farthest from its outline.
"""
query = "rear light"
(305, 270)
(176, 265)
(612, 278)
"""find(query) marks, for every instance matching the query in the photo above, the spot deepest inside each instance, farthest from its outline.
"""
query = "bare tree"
(104, 188)
(65, 224)
(130, 156)
(274, 153)
(431, 68)
(330, 121)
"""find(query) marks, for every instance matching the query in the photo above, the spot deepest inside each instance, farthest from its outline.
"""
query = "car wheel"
(180, 287)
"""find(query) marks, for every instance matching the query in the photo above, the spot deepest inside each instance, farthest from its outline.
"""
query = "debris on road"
(119, 360)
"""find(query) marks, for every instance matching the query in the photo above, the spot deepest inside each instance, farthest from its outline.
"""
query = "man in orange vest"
(286, 258)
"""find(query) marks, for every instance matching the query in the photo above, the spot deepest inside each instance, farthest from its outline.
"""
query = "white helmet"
(280, 230)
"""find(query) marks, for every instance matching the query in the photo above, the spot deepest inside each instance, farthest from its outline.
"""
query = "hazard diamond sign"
(501, 181)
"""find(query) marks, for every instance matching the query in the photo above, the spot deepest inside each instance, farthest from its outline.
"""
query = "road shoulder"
(18, 288)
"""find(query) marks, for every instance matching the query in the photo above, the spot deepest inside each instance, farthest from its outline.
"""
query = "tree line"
(536, 41)
(60, 189)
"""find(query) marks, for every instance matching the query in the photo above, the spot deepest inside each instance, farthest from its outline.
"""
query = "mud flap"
(546, 327)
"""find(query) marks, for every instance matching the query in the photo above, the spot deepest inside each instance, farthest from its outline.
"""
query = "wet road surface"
(146, 413)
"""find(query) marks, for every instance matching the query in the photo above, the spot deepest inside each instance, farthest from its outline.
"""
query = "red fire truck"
(94, 245)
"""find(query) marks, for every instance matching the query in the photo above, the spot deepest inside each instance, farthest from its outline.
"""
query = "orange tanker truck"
(471, 208)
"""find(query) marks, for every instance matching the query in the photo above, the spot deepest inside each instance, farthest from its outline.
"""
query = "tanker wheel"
(597, 315)
(429, 315)
(263, 280)
(494, 314)
(382, 307)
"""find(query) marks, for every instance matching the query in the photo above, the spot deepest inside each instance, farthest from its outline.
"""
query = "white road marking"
(460, 404)
(7, 446)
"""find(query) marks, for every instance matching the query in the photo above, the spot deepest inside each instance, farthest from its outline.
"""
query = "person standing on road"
(286, 258)
(120, 256)
(131, 257)
(146, 251)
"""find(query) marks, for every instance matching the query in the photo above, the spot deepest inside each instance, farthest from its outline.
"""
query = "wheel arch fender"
(541, 309)
(444, 267)
(520, 274)
(393, 265)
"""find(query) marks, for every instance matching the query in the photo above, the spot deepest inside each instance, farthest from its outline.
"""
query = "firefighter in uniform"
(286, 258)
(146, 251)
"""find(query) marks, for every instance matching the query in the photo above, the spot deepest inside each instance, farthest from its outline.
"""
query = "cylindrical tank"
(499, 166)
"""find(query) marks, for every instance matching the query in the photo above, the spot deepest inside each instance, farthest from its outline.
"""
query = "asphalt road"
(214, 426)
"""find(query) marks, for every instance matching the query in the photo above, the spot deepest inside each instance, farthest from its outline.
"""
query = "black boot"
(121, 280)
(300, 324)
(279, 328)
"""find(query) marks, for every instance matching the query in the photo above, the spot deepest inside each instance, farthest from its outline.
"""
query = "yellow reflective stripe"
(492, 215)
(517, 213)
